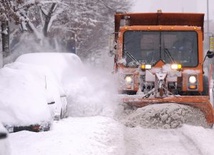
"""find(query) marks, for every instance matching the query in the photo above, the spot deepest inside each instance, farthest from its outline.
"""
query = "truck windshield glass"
(171, 47)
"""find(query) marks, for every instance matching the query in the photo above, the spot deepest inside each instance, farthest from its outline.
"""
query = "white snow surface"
(94, 128)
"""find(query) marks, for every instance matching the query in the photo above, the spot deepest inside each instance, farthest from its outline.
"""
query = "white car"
(4, 145)
(60, 67)
(32, 90)
(23, 99)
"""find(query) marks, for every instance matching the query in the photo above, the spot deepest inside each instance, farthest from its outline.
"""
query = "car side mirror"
(3, 135)
(210, 54)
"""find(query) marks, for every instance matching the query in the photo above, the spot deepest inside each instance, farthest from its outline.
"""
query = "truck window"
(151, 46)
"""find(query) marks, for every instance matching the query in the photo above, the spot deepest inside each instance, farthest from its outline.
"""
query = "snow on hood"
(23, 97)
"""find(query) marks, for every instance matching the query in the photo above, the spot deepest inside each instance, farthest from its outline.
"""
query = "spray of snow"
(29, 43)
(91, 93)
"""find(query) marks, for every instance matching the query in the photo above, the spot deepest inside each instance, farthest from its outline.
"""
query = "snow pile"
(165, 116)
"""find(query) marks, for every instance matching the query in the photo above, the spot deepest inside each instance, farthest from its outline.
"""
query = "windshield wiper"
(166, 51)
(132, 57)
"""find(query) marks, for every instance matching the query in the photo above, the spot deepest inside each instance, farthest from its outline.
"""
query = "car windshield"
(152, 46)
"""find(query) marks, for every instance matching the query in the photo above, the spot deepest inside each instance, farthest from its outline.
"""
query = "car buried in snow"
(62, 67)
(23, 101)
(32, 89)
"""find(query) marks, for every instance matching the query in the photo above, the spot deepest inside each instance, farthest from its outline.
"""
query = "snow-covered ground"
(93, 127)
(103, 135)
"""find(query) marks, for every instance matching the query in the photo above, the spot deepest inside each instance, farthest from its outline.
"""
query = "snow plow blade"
(200, 102)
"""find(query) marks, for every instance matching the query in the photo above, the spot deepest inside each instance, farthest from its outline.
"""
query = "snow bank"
(169, 115)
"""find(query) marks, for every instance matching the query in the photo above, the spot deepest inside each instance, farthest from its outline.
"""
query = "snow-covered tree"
(24, 13)
(78, 24)
(90, 22)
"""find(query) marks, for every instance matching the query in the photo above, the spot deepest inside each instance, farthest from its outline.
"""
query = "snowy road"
(160, 142)
(91, 129)
(103, 135)
(72, 136)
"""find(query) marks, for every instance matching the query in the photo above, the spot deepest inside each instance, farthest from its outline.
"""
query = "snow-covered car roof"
(60, 64)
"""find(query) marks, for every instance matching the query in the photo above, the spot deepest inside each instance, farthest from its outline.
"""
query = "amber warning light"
(211, 43)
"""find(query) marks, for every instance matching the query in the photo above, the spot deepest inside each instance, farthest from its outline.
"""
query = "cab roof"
(159, 18)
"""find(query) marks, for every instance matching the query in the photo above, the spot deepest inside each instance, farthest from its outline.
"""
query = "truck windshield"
(152, 46)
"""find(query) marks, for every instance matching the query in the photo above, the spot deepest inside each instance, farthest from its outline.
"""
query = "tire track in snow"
(141, 141)
(188, 143)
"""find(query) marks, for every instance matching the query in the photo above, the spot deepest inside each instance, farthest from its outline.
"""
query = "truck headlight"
(128, 79)
(146, 66)
(176, 66)
(192, 79)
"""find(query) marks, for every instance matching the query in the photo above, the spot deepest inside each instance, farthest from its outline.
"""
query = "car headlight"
(176, 66)
(192, 79)
(128, 79)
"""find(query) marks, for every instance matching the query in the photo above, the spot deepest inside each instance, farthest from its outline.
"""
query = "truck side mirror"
(112, 45)
(210, 54)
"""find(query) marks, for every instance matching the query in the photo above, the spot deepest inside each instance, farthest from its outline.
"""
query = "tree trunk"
(5, 39)
(48, 18)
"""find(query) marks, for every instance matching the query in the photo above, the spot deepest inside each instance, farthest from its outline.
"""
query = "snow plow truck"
(159, 58)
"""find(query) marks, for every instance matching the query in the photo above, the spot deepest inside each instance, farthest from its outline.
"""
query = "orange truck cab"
(159, 59)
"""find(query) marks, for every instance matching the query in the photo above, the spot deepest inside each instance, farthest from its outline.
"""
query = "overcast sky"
(199, 6)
